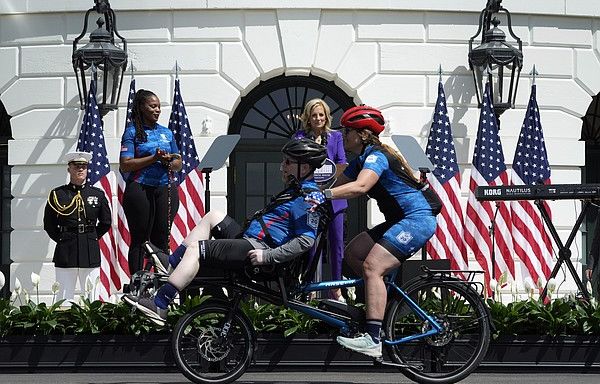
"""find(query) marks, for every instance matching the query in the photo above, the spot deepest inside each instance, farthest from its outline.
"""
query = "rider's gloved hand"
(256, 257)
(314, 199)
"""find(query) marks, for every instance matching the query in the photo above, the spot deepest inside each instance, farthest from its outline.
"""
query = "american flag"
(91, 139)
(488, 170)
(530, 166)
(448, 240)
(123, 236)
(191, 190)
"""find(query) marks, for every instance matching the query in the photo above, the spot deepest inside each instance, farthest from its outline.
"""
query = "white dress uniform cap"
(78, 157)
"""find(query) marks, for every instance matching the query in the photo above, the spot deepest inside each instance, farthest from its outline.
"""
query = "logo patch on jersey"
(163, 137)
(92, 200)
(371, 159)
(312, 219)
(404, 237)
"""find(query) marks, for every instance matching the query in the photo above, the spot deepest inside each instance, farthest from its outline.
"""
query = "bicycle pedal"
(380, 362)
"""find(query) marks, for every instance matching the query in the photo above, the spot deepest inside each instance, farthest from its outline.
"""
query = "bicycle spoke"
(454, 352)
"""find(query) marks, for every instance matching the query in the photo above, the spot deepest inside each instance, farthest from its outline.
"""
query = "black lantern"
(109, 60)
(495, 60)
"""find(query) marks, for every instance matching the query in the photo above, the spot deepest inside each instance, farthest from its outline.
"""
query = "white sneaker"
(362, 343)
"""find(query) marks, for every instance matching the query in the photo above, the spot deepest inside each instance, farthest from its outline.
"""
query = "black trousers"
(149, 218)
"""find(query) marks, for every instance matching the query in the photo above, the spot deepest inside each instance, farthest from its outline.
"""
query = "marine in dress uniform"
(75, 217)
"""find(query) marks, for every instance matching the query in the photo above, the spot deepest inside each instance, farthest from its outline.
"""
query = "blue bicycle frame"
(343, 326)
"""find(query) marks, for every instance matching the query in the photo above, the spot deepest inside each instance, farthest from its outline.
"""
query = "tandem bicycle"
(436, 328)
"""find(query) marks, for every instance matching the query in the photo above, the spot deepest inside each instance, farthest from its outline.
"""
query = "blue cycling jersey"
(396, 193)
(158, 137)
(288, 220)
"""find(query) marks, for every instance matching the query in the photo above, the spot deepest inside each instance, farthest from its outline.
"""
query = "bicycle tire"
(199, 353)
(447, 357)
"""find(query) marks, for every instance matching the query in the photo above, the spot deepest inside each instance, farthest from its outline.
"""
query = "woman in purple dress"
(316, 121)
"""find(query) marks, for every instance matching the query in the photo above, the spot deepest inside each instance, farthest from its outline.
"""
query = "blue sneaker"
(362, 343)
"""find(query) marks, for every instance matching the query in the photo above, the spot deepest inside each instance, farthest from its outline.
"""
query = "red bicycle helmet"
(364, 117)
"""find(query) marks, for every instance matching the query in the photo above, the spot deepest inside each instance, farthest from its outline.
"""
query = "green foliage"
(558, 318)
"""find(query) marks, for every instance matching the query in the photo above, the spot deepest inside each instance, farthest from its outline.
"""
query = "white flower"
(528, 286)
(26, 296)
(88, 285)
(55, 287)
(493, 285)
(13, 296)
(35, 279)
(588, 286)
(18, 287)
(2, 280)
(540, 283)
(551, 285)
(513, 287)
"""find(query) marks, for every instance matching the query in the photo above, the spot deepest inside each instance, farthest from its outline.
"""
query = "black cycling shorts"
(227, 229)
(224, 253)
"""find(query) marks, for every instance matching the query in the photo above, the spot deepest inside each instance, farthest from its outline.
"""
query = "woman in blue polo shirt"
(150, 155)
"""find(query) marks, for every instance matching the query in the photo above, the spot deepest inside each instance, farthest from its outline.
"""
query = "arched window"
(266, 118)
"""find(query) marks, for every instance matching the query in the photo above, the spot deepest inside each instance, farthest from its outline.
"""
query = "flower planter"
(154, 351)
(85, 351)
(543, 351)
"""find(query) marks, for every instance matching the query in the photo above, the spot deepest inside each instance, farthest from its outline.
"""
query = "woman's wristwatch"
(328, 193)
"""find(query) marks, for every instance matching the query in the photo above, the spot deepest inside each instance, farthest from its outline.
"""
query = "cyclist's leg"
(378, 264)
(357, 250)
(202, 231)
(359, 247)
(225, 253)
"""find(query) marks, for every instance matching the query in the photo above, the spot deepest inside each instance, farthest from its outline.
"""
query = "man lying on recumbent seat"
(283, 230)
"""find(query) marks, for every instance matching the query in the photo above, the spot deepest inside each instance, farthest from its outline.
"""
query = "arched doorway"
(266, 118)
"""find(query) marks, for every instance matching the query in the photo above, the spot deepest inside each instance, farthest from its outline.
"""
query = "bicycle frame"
(343, 325)
(333, 319)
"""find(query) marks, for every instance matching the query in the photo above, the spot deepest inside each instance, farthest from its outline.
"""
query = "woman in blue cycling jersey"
(149, 153)
(408, 206)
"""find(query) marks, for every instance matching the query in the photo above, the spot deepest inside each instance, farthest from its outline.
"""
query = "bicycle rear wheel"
(454, 353)
(201, 351)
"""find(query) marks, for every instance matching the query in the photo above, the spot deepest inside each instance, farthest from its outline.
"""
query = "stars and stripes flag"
(530, 166)
(123, 236)
(191, 185)
(493, 254)
(448, 240)
(91, 139)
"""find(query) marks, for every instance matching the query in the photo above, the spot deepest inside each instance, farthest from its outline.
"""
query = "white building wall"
(384, 54)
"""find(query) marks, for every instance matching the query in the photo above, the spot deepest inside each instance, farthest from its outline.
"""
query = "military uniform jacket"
(76, 223)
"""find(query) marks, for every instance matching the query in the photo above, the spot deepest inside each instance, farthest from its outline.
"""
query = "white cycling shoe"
(362, 343)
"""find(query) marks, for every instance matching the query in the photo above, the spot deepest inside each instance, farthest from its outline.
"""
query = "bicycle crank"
(381, 362)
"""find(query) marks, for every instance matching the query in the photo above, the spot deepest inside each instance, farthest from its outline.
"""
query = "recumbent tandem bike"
(436, 328)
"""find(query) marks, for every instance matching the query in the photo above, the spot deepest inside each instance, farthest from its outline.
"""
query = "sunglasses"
(287, 161)
(347, 130)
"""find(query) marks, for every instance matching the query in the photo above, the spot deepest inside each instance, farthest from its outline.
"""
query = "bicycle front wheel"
(450, 355)
(208, 349)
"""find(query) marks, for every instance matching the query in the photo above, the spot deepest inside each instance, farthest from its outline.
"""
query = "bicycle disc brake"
(439, 339)
(209, 346)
